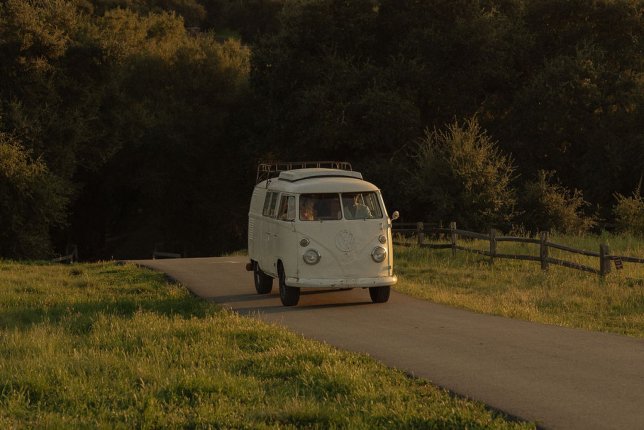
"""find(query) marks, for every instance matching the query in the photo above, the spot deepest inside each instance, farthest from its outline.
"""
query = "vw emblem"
(344, 241)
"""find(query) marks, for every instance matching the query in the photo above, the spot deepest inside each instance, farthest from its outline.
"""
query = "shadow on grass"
(80, 316)
(329, 418)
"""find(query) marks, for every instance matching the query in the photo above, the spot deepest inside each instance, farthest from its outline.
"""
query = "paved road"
(560, 378)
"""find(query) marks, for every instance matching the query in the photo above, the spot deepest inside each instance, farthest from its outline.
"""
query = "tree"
(361, 80)
(137, 113)
(453, 58)
(32, 201)
(549, 206)
(52, 83)
(250, 19)
(321, 93)
(180, 175)
(579, 109)
(192, 11)
(629, 212)
(461, 175)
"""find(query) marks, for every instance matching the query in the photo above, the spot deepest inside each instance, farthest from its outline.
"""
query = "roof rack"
(267, 170)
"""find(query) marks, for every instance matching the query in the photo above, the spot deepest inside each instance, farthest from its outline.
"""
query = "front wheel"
(379, 294)
(263, 282)
(288, 295)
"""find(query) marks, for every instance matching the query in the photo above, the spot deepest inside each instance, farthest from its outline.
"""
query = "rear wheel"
(288, 295)
(379, 294)
(263, 282)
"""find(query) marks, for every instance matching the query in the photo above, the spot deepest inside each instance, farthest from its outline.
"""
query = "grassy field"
(516, 289)
(109, 346)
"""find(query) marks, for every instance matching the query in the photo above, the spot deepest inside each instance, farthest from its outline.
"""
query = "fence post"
(604, 260)
(71, 250)
(543, 250)
(420, 229)
(452, 226)
(492, 245)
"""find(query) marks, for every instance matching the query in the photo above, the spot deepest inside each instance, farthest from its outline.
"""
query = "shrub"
(461, 175)
(629, 212)
(548, 205)
(32, 200)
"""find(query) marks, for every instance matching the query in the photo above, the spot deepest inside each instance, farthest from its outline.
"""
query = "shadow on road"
(281, 309)
(234, 298)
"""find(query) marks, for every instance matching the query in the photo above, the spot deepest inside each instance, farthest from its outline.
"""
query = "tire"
(379, 294)
(263, 282)
(288, 295)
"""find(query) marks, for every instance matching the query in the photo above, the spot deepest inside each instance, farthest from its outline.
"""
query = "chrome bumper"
(382, 281)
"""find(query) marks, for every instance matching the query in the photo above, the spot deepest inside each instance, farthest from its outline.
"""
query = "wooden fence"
(156, 253)
(71, 255)
(420, 230)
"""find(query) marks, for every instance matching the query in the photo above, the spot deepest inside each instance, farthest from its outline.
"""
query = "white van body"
(346, 244)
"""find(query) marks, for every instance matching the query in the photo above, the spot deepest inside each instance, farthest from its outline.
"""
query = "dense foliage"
(31, 201)
(548, 205)
(153, 113)
(461, 174)
(629, 212)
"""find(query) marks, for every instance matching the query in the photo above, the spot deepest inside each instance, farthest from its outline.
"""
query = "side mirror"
(395, 215)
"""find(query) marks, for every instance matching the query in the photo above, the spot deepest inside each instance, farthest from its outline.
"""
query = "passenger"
(307, 213)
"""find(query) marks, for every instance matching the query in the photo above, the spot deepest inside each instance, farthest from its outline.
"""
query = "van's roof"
(300, 174)
(319, 180)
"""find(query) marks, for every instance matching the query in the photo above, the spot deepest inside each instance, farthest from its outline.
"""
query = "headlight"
(311, 256)
(379, 254)
(382, 238)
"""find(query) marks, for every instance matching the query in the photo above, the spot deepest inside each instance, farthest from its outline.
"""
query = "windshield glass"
(361, 205)
(320, 207)
(326, 206)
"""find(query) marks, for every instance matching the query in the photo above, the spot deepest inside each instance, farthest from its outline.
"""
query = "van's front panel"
(345, 248)
(345, 251)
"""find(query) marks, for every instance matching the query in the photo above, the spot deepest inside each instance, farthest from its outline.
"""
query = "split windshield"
(332, 206)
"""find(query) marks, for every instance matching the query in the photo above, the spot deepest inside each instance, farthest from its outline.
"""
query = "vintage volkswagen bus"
(319, 228)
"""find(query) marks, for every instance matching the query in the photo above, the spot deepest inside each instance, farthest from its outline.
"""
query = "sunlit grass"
(519, 289)
(108, 346)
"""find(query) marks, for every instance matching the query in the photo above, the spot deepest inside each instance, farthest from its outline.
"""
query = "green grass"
(519, 289)
(108, 346)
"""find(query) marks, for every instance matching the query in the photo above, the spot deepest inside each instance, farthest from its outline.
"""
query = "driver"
(359, 208)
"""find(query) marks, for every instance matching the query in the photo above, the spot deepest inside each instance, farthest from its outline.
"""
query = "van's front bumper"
(381, 281)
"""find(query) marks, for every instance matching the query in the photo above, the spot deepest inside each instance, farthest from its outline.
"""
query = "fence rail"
(159, 254)
(71, 255)
(452, 233)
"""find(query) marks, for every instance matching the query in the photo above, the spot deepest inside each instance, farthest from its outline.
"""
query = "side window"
(269, 204)
(271, 209)
(286, 209)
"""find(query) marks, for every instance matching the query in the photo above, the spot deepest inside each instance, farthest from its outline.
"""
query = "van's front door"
(267, 232)
(284, 244)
